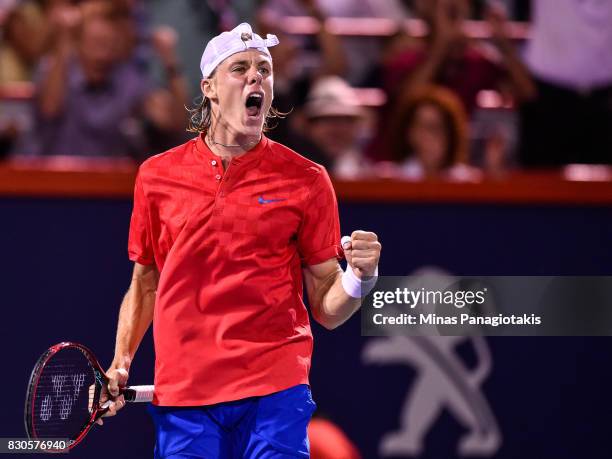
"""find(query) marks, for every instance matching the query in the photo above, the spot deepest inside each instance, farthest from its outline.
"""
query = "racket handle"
(138, 393)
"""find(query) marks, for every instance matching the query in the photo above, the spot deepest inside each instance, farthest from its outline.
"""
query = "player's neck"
(229, 145)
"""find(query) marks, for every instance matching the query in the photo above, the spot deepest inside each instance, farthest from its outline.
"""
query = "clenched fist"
(362, 251)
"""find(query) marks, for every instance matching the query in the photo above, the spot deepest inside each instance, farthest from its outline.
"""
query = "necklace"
(212, 141)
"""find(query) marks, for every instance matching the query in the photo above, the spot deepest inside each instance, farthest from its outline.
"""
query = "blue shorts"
(269, 427)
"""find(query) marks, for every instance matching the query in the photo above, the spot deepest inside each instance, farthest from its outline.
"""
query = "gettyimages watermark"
(442, 304)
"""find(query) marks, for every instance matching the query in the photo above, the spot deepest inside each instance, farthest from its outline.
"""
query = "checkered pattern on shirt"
(229, 318)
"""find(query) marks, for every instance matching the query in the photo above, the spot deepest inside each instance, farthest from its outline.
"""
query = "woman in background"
(428, 136)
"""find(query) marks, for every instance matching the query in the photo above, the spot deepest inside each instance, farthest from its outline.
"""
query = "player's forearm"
(135, 317)
(334, 305)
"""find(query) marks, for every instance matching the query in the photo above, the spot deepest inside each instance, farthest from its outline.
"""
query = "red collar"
(249, 156)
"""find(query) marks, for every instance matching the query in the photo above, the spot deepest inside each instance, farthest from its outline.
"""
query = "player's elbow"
(326, 320)
(328, 324)
(145, 278)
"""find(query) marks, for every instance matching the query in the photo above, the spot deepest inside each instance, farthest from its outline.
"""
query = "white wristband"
(355, 287)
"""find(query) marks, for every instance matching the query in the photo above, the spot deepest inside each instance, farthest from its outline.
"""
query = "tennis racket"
(63, 398)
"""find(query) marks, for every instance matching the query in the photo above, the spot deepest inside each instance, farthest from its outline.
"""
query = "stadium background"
(65, 269)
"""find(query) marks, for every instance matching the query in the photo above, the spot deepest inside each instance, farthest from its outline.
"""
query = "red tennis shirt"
(229, 320)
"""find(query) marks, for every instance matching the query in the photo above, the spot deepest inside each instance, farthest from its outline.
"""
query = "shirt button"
(213, 162)
(218, 177)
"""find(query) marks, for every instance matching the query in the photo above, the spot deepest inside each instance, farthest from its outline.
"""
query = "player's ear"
(209, 88)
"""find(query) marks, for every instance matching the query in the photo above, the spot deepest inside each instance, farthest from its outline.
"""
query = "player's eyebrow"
(248, 63)
(243, 62)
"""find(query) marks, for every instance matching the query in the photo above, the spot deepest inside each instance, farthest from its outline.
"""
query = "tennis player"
(225, 230)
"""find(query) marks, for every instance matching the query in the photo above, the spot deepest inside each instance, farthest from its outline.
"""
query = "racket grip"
(138, 393)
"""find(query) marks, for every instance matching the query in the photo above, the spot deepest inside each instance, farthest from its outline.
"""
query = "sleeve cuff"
(140, 259)
(334, 251)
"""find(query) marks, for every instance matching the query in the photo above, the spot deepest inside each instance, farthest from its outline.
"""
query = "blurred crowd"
(416, 89)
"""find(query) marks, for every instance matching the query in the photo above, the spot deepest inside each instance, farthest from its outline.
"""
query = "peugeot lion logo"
(443, 382)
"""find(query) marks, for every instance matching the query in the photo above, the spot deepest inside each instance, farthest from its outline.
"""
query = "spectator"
(24, 36)
(293, 76)
(333, 124)
(361, 51)
(90, 98)
(291, 86)
(570, 56)
(448, 58)
(428, 136)
(29, 30)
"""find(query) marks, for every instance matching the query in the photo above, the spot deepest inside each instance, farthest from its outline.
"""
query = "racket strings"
(61, 404)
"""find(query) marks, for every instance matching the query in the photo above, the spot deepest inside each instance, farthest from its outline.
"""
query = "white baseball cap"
(332, 96)
(240, 38)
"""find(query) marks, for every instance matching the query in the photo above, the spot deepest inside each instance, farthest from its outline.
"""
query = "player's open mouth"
(253, 103)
